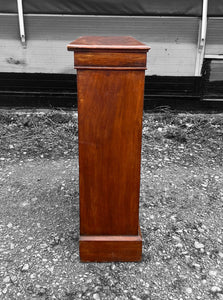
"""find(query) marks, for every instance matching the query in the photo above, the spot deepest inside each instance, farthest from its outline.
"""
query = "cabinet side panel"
(110, 106)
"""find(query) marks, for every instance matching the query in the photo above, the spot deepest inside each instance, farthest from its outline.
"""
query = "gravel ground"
(180, 211)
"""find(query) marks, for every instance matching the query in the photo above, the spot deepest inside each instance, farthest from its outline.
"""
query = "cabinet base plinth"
(110, 248)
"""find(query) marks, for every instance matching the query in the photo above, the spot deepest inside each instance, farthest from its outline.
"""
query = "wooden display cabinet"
(110, 86)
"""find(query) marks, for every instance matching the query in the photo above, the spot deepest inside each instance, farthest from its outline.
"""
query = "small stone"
(32, 276)
(196, 266)
(136, 298)
(13, 278)
(187, 258)
(179, 245)
(84, 289)
(34, 199)
(176, 238)
(7, 279)
(24, 203)
(216, 289)
(213, 273)
(25, 268)
(12, 246)
(42, 291)
(189, 290)
(29, 247)
(51, 269)
(97, 288)
(220, 254)
(198, 245)
(9, 225)
(11, 146)
(4, 291)
(96, 296)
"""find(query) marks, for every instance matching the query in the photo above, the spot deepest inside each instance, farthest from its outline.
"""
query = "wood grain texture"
(107, 42)
(110, 105)
(110, 85)
(111, 59)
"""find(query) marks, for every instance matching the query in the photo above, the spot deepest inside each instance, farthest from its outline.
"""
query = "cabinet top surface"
(107, 42)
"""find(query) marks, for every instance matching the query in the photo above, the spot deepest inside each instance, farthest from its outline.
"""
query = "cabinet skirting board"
(111, 248)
